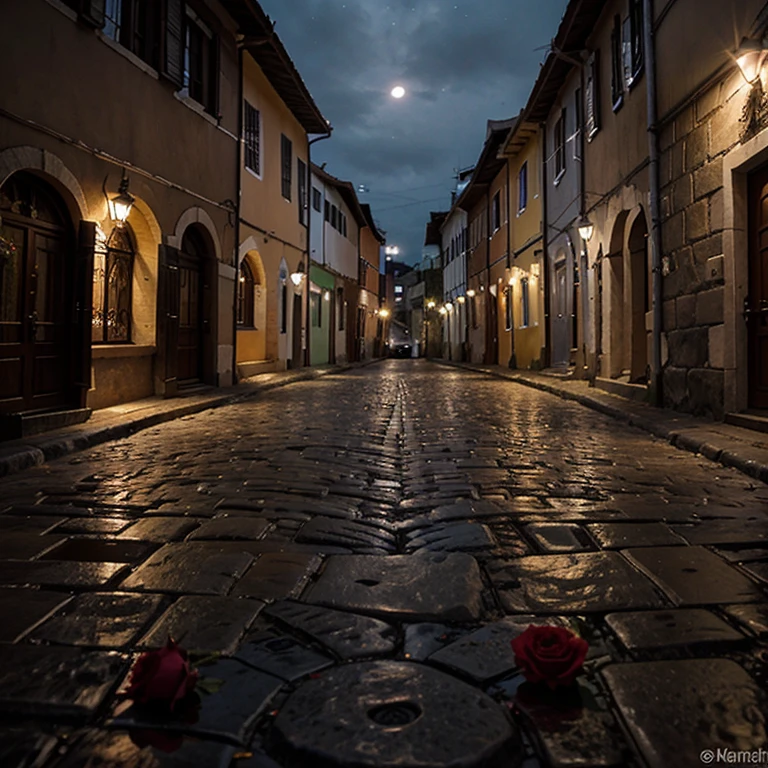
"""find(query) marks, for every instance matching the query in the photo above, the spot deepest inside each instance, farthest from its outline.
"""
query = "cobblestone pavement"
(357, 553)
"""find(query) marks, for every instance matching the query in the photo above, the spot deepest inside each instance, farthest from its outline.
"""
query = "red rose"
(551, 655)
(162, 677)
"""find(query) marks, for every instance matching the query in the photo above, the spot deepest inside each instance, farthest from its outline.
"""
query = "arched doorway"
(639, 299)
(251, 310)
(189, 354)
(37, 294)
(561, 314)
(617, 347)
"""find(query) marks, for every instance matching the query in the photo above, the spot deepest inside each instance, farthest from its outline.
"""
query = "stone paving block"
(451, 537)
(24, 545)
(349, 636)
(752, 616)
(651, 508)
(346, 533)
(742, 555)
(59, 573)
(23, 609)
(651, 630)
(232, 528)
(205, 568)
(758, 570)
(15, 523)
(25, 745)
(56, 681)
(423, 639)
(160, 529)
(280, 655)
(574, 583)
(688, 706)
(100, 620)
(133, 749)
(694, 575)
(486, 653)
(205, 624)
(558, 537)
(86, 550)
(571, 728)
(622, 535)
(277, 575)
(229, 713)
(94, 526)
(449, 586)
(392, 714)
(725, 532)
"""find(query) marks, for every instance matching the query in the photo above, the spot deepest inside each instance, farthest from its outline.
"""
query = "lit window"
(112, 289)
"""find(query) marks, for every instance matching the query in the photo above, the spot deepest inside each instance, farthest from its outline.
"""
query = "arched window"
(112, 288)
(245, 293)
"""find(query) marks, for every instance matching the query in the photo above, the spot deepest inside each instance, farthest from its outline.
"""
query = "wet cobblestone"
(403, 520)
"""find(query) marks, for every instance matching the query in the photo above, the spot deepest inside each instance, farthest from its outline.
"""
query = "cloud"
(461, 62)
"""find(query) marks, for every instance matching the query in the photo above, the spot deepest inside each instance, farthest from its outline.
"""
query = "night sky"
(461, 62)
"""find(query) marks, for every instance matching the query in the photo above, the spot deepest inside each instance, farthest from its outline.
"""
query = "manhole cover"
(395, 713)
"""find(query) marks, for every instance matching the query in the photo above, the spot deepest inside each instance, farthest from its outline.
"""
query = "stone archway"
(639, 303)
(252, 309)
(615, 346)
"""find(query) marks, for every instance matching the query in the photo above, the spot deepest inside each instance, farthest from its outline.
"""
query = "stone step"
(255, 367)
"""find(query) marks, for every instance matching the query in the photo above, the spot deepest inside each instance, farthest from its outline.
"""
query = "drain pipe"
(307, 317)
(655, 239)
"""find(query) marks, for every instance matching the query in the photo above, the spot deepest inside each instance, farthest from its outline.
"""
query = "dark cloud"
(461, 62)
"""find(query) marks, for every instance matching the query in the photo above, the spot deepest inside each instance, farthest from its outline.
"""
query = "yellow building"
(274, 206)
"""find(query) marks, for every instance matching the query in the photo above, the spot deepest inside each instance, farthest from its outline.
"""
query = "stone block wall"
(693, 143)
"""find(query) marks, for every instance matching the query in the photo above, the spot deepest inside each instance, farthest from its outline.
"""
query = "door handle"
(33, 325)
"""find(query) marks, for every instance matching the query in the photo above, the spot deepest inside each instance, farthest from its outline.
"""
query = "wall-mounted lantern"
(461, 299)
(298, 275)
(750, 57)
(586, 228)
(471, 293)
(120, 205)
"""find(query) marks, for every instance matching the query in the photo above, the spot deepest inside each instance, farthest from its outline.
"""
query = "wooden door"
(560, 337)
(756, 305)
(297, 358)
(37, 266)
(190, 344)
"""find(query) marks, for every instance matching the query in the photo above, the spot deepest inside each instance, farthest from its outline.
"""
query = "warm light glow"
(535, 269)
(384, 313)
(471, 293)
(242, 279)
(431, 305)
(391, 250)
(586, 228)
(443, 311)
(398, 92)
(750, 58)
(448, 306)
(461, 299)
(296, 278)
(327, 295)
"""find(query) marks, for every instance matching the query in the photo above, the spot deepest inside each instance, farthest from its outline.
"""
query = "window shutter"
(173, 42)
(214, 63)
(83, 316)
(167, 321)
(92, 12)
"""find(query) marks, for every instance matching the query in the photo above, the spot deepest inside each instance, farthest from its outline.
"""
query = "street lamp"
(586, 228)
(298, 275)
(471, 293)
(430, 305)
(750, 57)
(120, 205)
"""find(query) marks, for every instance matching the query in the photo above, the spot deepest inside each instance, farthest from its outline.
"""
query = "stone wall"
(693, 144)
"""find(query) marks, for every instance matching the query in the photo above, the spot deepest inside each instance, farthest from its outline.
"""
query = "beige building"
(96, 311)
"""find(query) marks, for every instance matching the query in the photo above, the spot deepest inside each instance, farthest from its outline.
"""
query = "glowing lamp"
(586, 228)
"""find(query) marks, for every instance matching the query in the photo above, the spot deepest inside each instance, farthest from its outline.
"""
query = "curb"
(56, 447)
(679, 437)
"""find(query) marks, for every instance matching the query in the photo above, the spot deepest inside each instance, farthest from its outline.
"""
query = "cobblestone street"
(357, 553)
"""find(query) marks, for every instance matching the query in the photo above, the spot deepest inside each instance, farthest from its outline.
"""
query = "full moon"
(398, 92)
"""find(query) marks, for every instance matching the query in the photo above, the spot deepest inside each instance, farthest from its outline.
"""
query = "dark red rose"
(161, 677)
(551, 655)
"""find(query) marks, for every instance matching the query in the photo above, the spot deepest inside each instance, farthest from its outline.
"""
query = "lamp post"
(430, 309)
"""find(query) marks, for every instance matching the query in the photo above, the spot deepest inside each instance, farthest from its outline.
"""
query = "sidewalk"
(123, 420)
(743, 449)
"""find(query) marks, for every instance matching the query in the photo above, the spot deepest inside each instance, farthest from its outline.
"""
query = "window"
(201, 66)
(522, 188)
(283, 308)
(245, 290)
(578, 126)
(286, 163)
(560, 146)
(327, 211)
(317, 199)
(508, 308)
(334, 217)
(635, 40)
(135, 25)
(301, 170)
(252, 137)
(343, 223)
(592, 96)
(316, 309)
(341, 308)
(525, 302)
(617, 73)
(112, 289)
(496, 212)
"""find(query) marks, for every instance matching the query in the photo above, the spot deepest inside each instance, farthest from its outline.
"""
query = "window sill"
(66, 10)
(113, 351)
(253, 173)
(618, 104)
(190, 103)
(126, 54)
(559, 177)
(521, 212)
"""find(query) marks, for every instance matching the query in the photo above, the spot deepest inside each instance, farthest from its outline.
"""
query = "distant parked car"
(400, 349)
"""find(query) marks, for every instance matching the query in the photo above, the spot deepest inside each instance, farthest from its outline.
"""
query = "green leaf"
(209, 685)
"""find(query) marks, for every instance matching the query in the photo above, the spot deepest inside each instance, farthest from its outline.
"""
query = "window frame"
(286, 166)
(508, 312)
(109, 253)
(559, 144)
(592, 96)
(246, 288)
(496, 212)
(525, 303)
(522, 188)
(317, 199)
(301, 174)
(316, 308)
(252, 130)
(207, 96)
(617, 74)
